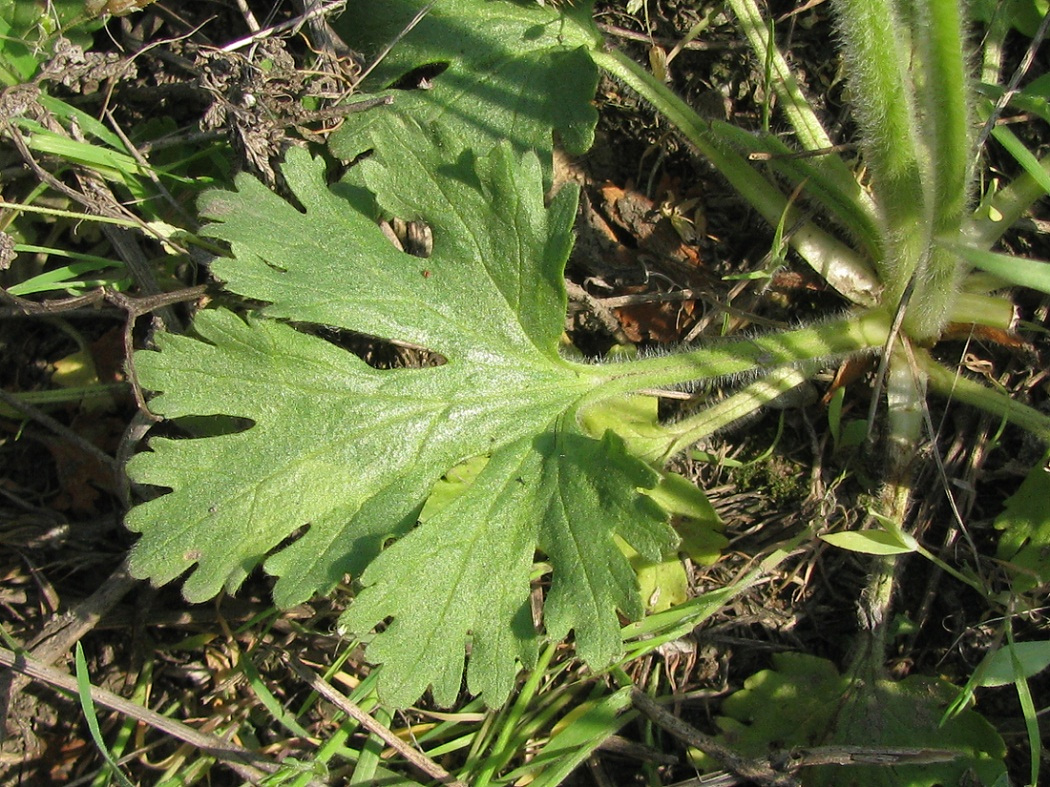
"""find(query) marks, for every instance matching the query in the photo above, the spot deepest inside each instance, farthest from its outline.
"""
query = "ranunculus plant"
(330, 478)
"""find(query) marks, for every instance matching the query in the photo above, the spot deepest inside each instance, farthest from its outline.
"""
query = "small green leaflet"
(869, 542)
(339, 458)
(805, 702)
(997, 668)
(506, 71)
(1025, 526)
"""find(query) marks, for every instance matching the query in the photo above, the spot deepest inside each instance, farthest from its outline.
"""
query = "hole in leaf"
(288, 540)
(411, 237)
(377, 353)
(211, 425)
(420, 78)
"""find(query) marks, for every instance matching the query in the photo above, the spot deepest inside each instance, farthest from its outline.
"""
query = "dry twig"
(247, 764)
(416, 758)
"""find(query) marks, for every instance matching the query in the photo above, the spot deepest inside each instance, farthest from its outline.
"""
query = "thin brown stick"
(780, 767)
(414, 757)
(869, 755)
(64, 630)
(599, 309)
(757, 770)
(135, 308)
(247, 764)
(25, 307)
(290, 24)
(834, 755)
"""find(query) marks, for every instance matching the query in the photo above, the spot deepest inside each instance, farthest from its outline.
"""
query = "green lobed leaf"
(480, 547)
(338, 458)
(664, 584)
(508, 71)
(804, 701)
(1025, 525)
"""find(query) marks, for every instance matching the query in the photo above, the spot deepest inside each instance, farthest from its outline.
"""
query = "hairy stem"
(948, 104)
(746, 356)
(943, 93)
(759, 394)
(876, 59)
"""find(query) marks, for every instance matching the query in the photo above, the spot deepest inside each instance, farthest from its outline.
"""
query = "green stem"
(70, 214)
(794, 104)
(990, 310)
(992, 49)
(1008, 205)
(875, 606)
(970, 581)
(876, 56)
(905, 399)
(904, 396)
(759, 394)
(745, 356)
(942, 92)
(956, 387)
(838, 264)
(947, 103)
(846, 203)
(937, 285)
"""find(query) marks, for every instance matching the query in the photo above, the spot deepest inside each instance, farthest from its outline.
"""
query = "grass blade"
(581, 733)
(87, 704)
(1022, 155)
(1015, 270)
